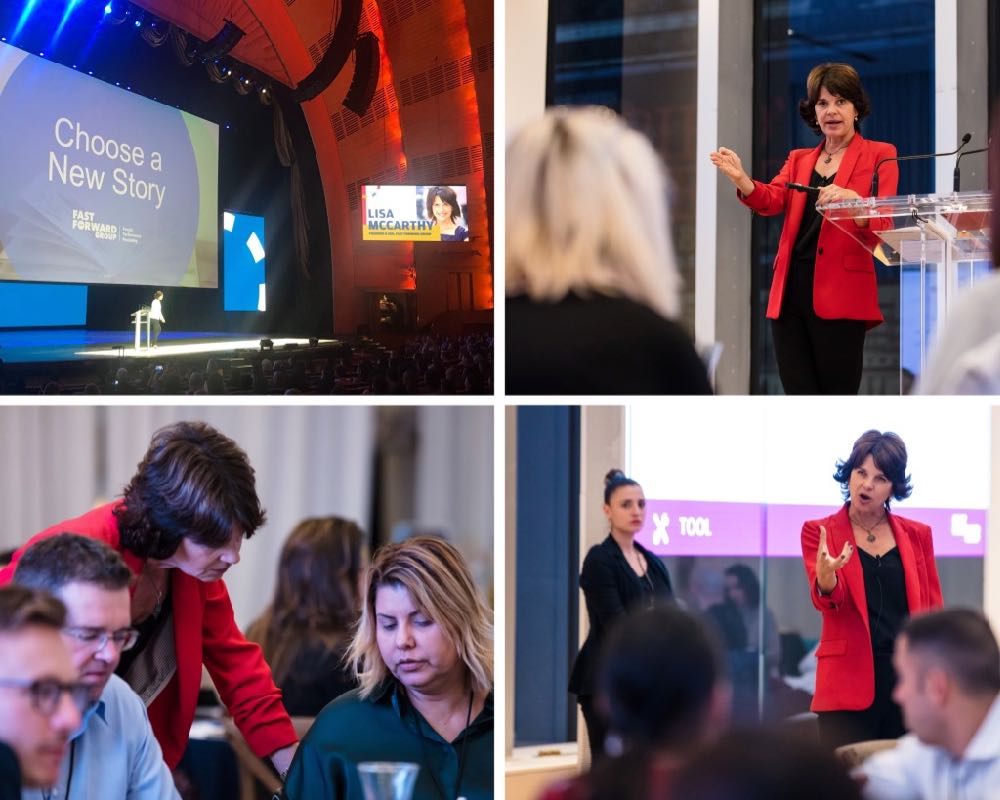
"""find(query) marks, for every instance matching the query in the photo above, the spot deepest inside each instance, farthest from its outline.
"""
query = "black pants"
(154, 332)
(597, 728)
(883, 719)
(815, 356)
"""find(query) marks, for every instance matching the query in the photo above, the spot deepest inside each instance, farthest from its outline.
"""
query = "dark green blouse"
(385, 727)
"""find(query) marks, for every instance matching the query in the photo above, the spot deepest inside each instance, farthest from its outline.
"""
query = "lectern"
(941, 244)
(139, 317)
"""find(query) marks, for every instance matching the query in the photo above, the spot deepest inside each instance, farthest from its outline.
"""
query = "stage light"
(107, 8)
(138, 23)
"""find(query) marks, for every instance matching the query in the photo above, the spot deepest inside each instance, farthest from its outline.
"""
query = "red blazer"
(845, 675)
(204, 632)
(844, 286)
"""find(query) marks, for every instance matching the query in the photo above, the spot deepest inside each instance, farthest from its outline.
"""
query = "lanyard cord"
(461, 753)
(47, 793)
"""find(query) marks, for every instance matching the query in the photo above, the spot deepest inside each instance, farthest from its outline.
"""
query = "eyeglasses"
(45, 693)
(124, 639)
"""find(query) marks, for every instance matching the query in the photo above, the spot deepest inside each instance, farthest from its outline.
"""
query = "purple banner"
(717, 529)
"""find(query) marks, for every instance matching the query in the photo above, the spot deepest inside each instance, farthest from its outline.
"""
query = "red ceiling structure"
(430, 121)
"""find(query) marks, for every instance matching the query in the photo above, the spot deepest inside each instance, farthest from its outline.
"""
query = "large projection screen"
(100, 185)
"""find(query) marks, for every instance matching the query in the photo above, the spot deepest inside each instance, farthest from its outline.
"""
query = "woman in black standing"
(618, 575)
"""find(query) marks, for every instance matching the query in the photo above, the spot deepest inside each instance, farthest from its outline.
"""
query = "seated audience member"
(965, 358)
(179, 527)
(40, 700)
(593, 287)
(114, 753)
(764, 765)
(949, 681)
(305, 632)
(661, 685)
(423, 656)
(738, 620)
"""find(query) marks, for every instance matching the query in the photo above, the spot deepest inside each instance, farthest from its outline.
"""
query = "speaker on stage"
(266, 344)
(366, 72)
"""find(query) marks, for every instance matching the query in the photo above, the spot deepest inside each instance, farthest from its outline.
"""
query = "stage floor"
(74, 344)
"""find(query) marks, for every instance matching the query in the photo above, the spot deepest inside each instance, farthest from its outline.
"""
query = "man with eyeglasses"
(40, 699)
(114, 753)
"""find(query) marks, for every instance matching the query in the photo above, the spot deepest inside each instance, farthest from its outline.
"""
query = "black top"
(317, 676)
(598, 345)
(10, 774)
(611, 588)
(804, 248)
(885, 591)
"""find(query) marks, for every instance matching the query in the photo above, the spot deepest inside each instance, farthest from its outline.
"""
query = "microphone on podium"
(956, 180)
(800, 187)
(965, 140)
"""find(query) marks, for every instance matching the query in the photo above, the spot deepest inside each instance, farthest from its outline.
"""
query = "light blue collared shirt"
(114, 754)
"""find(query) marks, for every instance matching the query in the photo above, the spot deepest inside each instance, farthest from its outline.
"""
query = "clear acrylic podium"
(139, 317)
(941, 244)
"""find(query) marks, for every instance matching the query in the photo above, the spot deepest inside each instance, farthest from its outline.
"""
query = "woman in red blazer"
(824, 296)
(179, 528)
(868, 571)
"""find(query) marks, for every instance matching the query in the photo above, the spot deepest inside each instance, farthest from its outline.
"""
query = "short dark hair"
(56, 561)
(613, 480)
(962, 640)
(193, 482)
(762, 765)
(888, 451)
(748, 582)
(841, 80)
(447, 195)
(658, 670)
(22, 607)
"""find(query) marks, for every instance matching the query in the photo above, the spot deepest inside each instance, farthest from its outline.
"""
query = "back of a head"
(55, 561)
(318, 576)
(764, 765)
(961, 641)
(658, 674)
(587, 212)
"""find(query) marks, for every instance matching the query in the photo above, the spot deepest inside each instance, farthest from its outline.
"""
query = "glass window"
(548, 469)
(638, 57)
(891, 44)
(727, 520)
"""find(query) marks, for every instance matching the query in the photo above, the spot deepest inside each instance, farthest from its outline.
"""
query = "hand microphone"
(957, 175)
(802, 188)
(965, 140)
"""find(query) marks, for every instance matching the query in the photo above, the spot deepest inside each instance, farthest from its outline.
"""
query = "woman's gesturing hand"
(827, 565)
(729, 164)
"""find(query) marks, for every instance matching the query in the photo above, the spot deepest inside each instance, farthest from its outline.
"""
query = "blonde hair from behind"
(440, 584)
(587, 212)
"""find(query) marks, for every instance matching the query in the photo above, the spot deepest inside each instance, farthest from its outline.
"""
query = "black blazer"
(611, 589)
